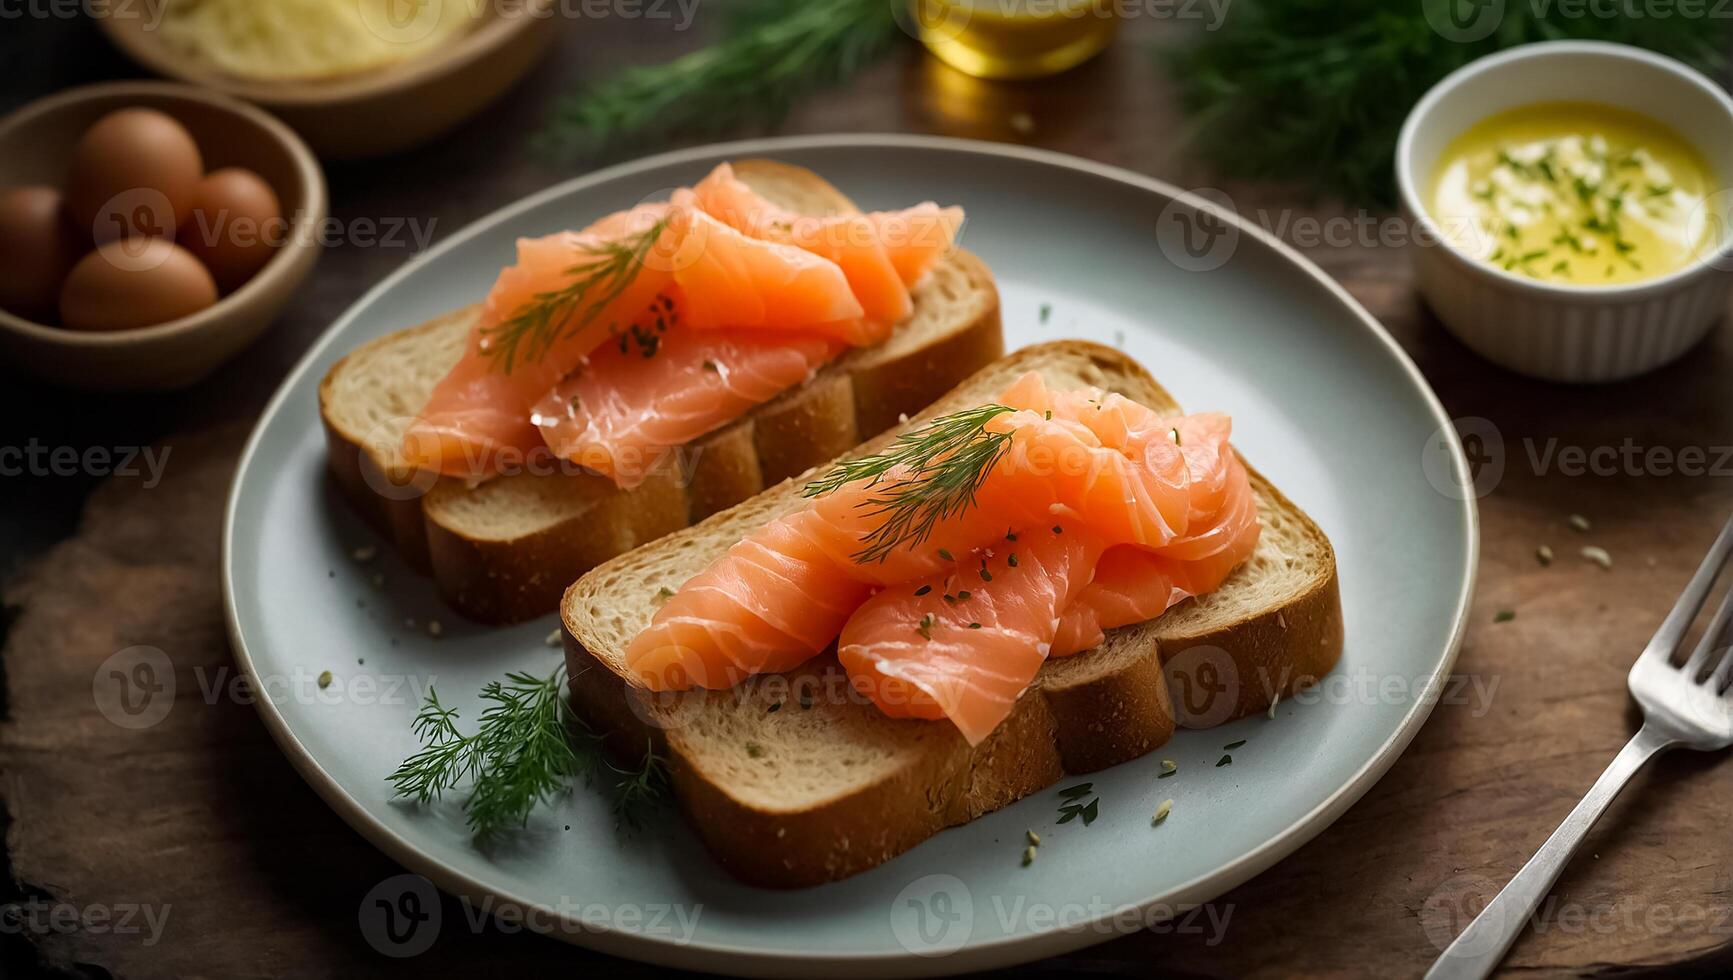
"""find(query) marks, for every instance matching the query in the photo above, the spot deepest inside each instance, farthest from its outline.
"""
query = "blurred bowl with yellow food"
(357, 78)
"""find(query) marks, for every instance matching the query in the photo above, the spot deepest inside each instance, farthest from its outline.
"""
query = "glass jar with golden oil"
(1014, 38)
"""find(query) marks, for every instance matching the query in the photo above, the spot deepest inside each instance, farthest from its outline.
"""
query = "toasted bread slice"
(503, 550)
(825, 785)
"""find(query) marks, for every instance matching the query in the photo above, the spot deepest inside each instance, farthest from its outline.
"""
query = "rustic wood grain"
(203, 815)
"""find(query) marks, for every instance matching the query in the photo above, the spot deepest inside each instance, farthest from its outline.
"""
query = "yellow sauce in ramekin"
(1574, 193)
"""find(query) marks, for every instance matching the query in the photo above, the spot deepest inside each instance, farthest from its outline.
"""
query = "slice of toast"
(792, 779)
(503, 550)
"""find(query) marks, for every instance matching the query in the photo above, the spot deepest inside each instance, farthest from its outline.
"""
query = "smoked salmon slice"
(732, 621)
(965, 646)
(882, 254)
(622, 414)
(530, 333)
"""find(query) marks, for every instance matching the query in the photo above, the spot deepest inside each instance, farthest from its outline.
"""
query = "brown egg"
(134, 283)
(133, 173)
(235, 225)
(37, 248)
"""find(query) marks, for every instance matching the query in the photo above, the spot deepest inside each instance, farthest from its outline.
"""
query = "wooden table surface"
(200, 818)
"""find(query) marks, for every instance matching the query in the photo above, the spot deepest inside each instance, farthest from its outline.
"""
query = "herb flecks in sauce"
(1573, 193)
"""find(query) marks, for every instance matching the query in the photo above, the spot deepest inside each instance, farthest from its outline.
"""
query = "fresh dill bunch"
(771, 54)
(1316, 90)
(534, 328)
(526, 748)
(938, 468)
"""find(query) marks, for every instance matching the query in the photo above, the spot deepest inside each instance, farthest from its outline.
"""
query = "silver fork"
(1687, 707)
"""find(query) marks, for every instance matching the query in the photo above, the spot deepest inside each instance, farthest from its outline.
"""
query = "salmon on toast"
(716, 273)
(630, 378)
(948, 568)
(800, 775)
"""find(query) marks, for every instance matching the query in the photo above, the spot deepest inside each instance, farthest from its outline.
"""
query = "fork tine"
(1713, 641)
(1672, 632)
(1718, 681)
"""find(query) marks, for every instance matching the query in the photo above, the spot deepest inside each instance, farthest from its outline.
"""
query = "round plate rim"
(744, 960)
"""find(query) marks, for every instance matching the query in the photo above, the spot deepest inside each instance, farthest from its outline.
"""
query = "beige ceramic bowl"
(35, 144)
(372, 113)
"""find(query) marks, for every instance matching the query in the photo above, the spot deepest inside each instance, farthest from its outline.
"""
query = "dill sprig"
(534, 328)
(771, 54)
(939, 468)
(1316, 90)
(526, 748)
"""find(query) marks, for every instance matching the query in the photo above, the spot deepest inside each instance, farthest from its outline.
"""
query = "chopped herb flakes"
(1074, 806)
(1504, 616)
(1226, 760)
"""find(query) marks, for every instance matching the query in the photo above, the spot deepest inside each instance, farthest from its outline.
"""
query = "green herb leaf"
(772, 54)
(535, 327)
(526, 749)
(928, 475)
(1316, 90)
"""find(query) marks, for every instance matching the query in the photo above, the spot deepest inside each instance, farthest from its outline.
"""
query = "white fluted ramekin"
(1566, 332)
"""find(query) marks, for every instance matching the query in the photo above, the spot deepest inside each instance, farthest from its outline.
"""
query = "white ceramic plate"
(1228, 319)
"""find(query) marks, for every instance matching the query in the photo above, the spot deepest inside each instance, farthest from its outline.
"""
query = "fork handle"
(1477, 951)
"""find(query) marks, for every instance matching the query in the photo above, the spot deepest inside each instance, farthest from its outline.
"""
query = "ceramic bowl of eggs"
(148, 232)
